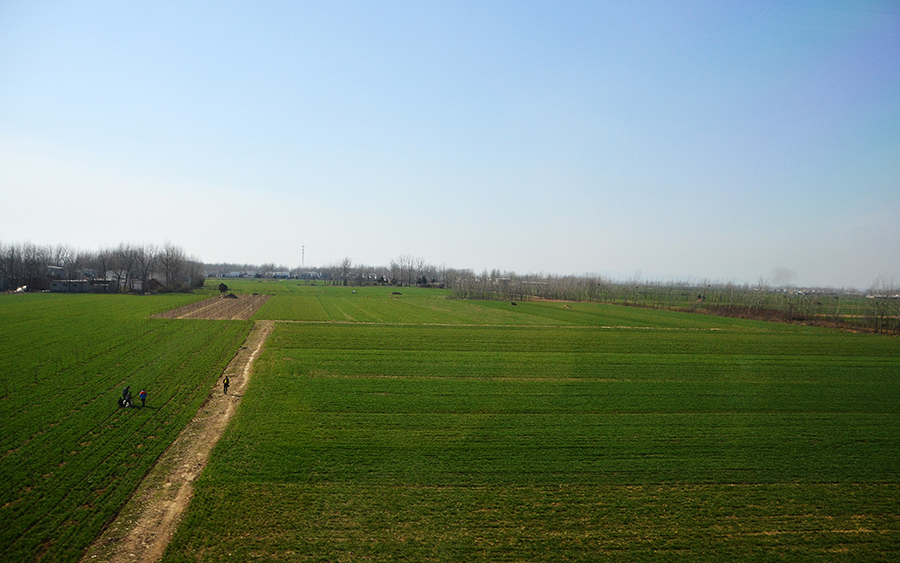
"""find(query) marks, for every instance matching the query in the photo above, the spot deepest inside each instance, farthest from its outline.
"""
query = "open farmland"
(218, 308)
(412, 427)
(290, 300)
(68, 455)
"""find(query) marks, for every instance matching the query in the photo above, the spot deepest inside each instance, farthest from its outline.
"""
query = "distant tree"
(345, 266)
(146, 257)
(884, 297)
(124, 261)
(195, 273)
(417, 266)
(172, 262)
(85, 260)
(35, 259)
(223, 288)
(12, 272)
(104, 262)
(395, 272)
(63, 256)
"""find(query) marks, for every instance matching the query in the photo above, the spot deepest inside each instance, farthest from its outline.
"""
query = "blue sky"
(731, 141)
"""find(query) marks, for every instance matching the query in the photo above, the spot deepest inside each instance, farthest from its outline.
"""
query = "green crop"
(548, 432)
(418, 306)
(68, 455)
(416, 427)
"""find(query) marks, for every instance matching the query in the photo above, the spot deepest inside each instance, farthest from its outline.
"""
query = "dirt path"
(144, 527)
(238, 307)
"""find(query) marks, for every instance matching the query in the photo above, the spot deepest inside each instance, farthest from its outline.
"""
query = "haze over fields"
(728, 141)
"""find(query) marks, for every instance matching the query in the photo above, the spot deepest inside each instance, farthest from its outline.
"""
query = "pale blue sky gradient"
(730, 141)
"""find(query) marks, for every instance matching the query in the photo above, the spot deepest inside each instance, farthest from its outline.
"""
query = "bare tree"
(34, 265)
(62, 256)
(85, 261)
(105, 262)
(345, 266)
(145, 258)
(396, 271)
(885, 298)
(418, 270)
(12, 273)
(194, 271)
(35, 260)
(125, 258)
(172, 263)
(334, 272)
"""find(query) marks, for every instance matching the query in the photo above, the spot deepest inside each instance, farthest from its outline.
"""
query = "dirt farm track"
(229, 307)
(143, 528)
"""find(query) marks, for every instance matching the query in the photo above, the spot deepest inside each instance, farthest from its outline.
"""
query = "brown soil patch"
(235, 307)
(148, 521)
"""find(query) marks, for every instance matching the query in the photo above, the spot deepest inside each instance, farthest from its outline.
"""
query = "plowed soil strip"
(144, 527)
(218, 308)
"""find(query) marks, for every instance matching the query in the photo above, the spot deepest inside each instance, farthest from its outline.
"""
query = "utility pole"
(302, 256)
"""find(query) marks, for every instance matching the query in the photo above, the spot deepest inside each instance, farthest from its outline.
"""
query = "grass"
(68, 455)
(293, 300)
(806, 522)
(548, 432)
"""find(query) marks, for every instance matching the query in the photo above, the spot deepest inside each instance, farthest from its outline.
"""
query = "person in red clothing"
(143, 396)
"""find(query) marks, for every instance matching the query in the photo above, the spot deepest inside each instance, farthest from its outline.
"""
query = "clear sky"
(729, 141)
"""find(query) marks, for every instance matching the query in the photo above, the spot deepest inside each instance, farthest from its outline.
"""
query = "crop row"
(382, 305)
(295, 301)
(543, 394)
(657, 522)
(534, 443)
(499, 339)
(70, 456)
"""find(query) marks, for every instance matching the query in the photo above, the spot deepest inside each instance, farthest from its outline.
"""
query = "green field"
(69, 457)
(413, 427)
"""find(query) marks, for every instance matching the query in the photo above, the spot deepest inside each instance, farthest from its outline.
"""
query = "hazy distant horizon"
(723, 141)
(780, 280)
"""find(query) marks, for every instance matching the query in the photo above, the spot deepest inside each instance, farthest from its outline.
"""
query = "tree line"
(876, 310)
(128, 267)
(405, 270)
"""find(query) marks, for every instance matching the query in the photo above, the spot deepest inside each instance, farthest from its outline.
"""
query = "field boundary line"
(143, 528)
(571, 327)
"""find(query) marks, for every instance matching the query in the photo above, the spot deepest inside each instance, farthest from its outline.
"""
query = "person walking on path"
(225, 384)
(143, 396)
